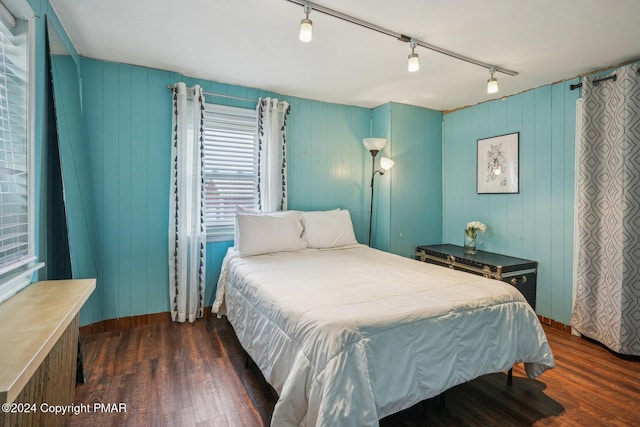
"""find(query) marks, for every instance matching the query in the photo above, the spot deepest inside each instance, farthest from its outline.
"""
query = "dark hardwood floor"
(172, 374)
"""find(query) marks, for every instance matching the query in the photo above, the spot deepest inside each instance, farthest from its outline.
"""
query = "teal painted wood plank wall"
(326, 159)
(408, 198)
(128, 125)
(416, 182)
(537, 223)
(127, 122)
(45, 128)
(427, 197)
(381, 211)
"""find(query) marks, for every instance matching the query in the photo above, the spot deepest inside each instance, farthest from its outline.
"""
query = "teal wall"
(408, 198)
(44, 128)
(426, 198)
(326, 159)
(381, 215)
(128, 127)
(75, 168)
(423, 199)
(416, 178)
(537, 223)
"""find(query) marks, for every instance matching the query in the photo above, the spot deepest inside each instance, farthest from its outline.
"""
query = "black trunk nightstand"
(521, 273)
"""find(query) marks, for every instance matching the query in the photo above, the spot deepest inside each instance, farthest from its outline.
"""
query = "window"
(17, 259)
(230, 167)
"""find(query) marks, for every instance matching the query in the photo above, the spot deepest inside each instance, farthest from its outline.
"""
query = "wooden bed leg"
(510, 377)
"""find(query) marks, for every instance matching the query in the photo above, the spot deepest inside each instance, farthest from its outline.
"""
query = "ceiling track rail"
(399, 36)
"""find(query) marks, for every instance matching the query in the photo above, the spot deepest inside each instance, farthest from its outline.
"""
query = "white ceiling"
(254, 43)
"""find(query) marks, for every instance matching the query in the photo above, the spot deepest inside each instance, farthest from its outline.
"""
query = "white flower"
(473, 227)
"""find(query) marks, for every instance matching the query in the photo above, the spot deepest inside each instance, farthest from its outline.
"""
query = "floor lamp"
(374, 145)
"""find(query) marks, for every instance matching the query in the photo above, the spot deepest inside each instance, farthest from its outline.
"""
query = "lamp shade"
(306, 30)
(374, 143)
(386, 163)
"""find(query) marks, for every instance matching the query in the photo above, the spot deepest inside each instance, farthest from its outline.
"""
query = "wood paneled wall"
(128, 126)
(416, 178)
(127, 118)
(537, 223)
(408, 198)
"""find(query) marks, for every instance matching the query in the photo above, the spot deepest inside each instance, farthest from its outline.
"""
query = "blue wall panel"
(127, 123)
(407, 207)
(140, 184)
(326, 159)
(84, 260)
(537, 223)
(416, 178)
(328, 168)
(128, 128)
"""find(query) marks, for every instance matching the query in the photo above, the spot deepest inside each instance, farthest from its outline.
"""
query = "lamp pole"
(374, 145)
(373, 173)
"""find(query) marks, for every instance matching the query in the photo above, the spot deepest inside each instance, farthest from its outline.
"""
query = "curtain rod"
(596, 81)
(221, 95)
(399, 36)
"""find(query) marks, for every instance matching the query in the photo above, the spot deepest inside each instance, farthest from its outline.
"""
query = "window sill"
(14, 282)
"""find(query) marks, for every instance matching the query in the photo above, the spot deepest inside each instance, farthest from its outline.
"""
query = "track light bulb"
(492, 83)
(306, 30)
(413, 64)
(306, 27)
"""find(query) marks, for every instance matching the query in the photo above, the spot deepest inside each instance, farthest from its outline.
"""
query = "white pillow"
(260, 234)
(328, 229)
(241, 210)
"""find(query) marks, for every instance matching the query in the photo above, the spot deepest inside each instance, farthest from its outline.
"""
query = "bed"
(347, 334)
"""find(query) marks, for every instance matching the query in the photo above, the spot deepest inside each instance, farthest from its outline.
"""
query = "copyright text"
(75, 409)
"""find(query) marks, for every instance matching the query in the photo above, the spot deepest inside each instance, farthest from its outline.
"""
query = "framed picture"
(498, 164)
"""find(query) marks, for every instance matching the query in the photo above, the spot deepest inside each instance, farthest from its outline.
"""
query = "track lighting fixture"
(492, 83)
(306, 26)
(413, 64)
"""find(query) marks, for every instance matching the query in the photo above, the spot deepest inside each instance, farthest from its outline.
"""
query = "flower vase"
(470, 244)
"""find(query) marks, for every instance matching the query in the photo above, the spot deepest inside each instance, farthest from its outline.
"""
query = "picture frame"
(498, 165)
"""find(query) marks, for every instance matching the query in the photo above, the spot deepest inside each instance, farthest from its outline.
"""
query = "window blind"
(14, 178)
(230, 167)
(16, 230)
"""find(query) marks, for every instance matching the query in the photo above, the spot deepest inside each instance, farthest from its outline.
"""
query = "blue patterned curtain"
(607, 306)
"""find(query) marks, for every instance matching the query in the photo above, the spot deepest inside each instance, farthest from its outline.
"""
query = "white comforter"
(348, 336)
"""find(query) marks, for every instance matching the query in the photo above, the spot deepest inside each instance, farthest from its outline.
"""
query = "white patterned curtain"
(607, 306)
(187, 230)
(272, 162)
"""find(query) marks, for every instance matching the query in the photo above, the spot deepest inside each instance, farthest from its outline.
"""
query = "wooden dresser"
(39, 351)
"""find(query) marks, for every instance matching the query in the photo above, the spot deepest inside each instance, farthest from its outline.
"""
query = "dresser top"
(482, 257)
(32, 322)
